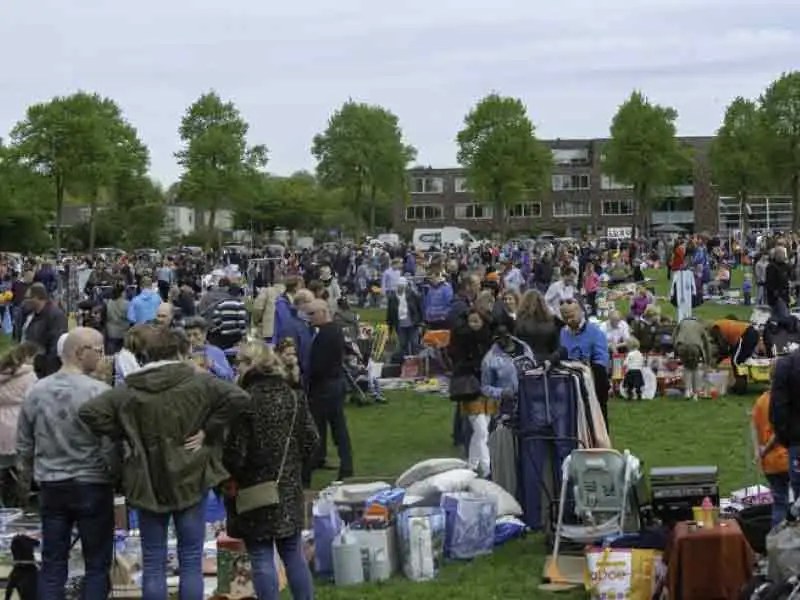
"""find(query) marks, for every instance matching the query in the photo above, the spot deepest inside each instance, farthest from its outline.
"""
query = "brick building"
(581, 198)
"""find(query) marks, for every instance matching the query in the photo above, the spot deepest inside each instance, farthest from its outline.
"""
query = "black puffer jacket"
(467, 349)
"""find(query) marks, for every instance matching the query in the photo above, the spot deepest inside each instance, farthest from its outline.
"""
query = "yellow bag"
(623, 573)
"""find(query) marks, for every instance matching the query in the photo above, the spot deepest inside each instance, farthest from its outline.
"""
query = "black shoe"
(344, 475)
(381, 400)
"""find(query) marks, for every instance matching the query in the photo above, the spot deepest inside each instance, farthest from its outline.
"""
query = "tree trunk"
(644, 212)
(92, 222)
(743, 212)
(59, 209)
(372, 193)
(359, 216)
(212, 221)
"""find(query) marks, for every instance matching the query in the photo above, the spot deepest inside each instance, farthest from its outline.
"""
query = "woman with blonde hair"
(537, 327)
(268, 443)
(16, 379)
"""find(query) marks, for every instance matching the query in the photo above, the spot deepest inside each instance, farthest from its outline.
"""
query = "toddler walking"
(634, 363)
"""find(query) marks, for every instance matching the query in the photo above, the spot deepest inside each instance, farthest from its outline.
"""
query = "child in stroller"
(357, 351)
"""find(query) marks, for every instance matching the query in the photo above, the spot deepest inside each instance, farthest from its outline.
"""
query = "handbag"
(266, 493)
(464, 387)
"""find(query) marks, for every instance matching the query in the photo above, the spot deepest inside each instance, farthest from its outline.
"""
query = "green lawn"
(707, 311)
(388, 439)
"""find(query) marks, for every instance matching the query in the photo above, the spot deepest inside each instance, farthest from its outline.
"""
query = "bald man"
(164, 315)
(327, 386)
(71, 466)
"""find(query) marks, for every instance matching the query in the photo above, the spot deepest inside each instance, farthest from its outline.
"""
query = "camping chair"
(435, 343)
(601, 481)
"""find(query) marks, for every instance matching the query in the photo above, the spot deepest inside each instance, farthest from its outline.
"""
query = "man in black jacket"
(45, 323)
(784, 413)
(327, 386)
(779, 274)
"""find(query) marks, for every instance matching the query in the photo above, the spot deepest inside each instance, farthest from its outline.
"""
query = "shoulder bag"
(266, 493)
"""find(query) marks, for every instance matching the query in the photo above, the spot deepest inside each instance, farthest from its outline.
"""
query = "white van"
(424, 239)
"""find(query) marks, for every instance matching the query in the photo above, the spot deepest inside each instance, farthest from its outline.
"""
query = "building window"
(572, 208)
(525, 210)
(460, 185)
(616, 208)
(609, 183)
(571, 157)
(562, 183)
(424, 212)
(473, 211)
(427, 185)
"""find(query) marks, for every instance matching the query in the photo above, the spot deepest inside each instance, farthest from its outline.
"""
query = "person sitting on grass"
(640, 302)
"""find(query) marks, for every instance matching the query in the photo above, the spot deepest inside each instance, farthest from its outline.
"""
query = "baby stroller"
(357, 352)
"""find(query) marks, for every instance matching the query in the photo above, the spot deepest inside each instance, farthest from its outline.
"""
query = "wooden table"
(708, 564)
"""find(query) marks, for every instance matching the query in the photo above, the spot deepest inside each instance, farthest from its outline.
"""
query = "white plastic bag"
(421, 532)
(783, 551)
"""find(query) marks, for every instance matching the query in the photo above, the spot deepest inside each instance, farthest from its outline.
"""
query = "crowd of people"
(246, 410)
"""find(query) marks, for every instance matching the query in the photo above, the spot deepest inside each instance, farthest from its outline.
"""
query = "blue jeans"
(190, 527)
(407, 343)
(90, 506)
(265, 576)
(779, 487)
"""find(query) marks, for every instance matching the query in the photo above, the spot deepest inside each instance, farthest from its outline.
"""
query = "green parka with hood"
(152, 415)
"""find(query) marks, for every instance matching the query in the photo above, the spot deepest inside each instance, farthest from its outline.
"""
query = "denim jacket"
(499, 371)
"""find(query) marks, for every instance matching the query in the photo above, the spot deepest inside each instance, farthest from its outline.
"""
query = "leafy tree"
(362, 153)
(294, 202)
(25, 203)
(780, 109)
(738, 164)
(504, 161)
(81, 142)
(217, 161)
(116, 152)
(138, 205)
(644, 153)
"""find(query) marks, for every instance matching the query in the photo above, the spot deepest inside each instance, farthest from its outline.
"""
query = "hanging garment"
(547, 416)
(503, 453)
(683, 291)
(592, 430)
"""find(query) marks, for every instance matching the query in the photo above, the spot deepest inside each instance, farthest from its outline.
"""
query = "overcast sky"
(287, 65)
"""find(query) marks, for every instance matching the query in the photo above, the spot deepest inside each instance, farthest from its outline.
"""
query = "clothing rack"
(531, 465)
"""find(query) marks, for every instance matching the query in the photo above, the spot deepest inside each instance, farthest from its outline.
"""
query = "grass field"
(387, 439)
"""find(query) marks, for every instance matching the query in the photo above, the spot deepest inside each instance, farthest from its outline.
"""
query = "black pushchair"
(357, 352)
